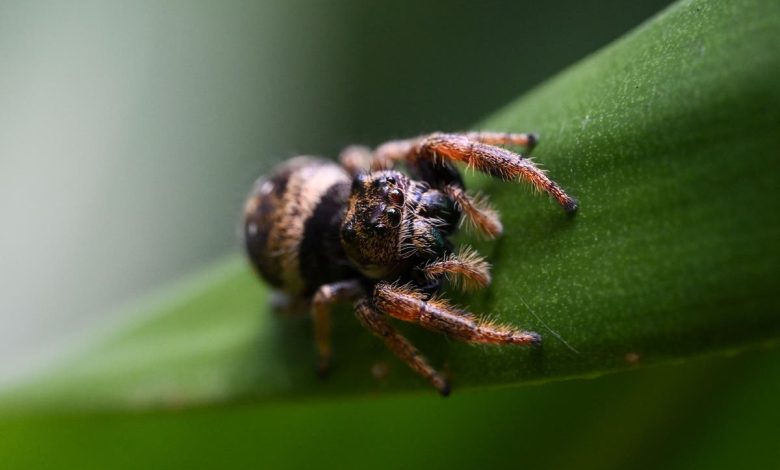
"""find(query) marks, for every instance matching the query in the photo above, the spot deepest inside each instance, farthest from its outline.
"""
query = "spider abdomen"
(291, 225)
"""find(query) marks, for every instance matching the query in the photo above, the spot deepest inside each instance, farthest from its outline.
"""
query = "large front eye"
(396, 196)
(393, 216)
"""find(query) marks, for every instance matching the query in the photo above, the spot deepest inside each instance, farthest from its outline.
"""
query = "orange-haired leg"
(495, 161)
(356, 159)
(477, 150)
(504, 138)
(438, 315)
(399, 150)
(477, 210)
(326, 296)
(467, 269)
(377, 323)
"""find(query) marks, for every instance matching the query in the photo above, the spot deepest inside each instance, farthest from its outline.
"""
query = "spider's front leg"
(478, 150)
(377, 323)
(504, 138)
(393, 151)
(409, 305)
(495, 161)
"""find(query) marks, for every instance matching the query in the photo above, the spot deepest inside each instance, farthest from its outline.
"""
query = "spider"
(322, 233)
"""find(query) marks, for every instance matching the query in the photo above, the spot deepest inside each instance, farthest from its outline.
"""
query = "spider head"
(375, 219)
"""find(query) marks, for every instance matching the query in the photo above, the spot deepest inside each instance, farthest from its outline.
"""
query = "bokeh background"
(131, 131)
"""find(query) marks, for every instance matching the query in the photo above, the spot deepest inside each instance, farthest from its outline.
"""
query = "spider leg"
(356, 159)
(410, 305)
(398, 150)
(327, 295)
(377, 323)
(286, 305)
(392, 152)
(504, 138)
(477, 211)
(477, 150)
(467, 268)
(495, 161)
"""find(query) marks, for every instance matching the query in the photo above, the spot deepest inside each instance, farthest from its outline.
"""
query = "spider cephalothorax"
(323, 233)
(393, 222)
(375, 221)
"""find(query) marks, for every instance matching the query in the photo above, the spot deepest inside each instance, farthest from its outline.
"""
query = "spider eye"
(393, 216)
(390, 180)
(359, 182)
(396, 196)
(348, 232)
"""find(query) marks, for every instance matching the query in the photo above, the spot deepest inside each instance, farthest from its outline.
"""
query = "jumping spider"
(323, 233)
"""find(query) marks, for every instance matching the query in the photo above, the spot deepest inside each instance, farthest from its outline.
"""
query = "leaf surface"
(669, 138)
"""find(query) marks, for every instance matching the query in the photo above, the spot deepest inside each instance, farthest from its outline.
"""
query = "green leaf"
(662, 417)
(669, 138)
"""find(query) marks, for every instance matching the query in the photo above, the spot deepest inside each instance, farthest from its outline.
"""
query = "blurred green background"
(130, 132)
(129, 135)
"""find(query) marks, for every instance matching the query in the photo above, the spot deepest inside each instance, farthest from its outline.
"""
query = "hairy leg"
(477, 210)
(283, 304)
(356, 159)
(410, 305)
(326, 296)
(392, 152)
(495, 161)
(504, 138)
(400, 150)
(467, 269)
(478, 150)
(378, 324)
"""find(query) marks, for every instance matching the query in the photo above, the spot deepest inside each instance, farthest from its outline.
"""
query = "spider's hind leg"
(356, 159)
(325, 296)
